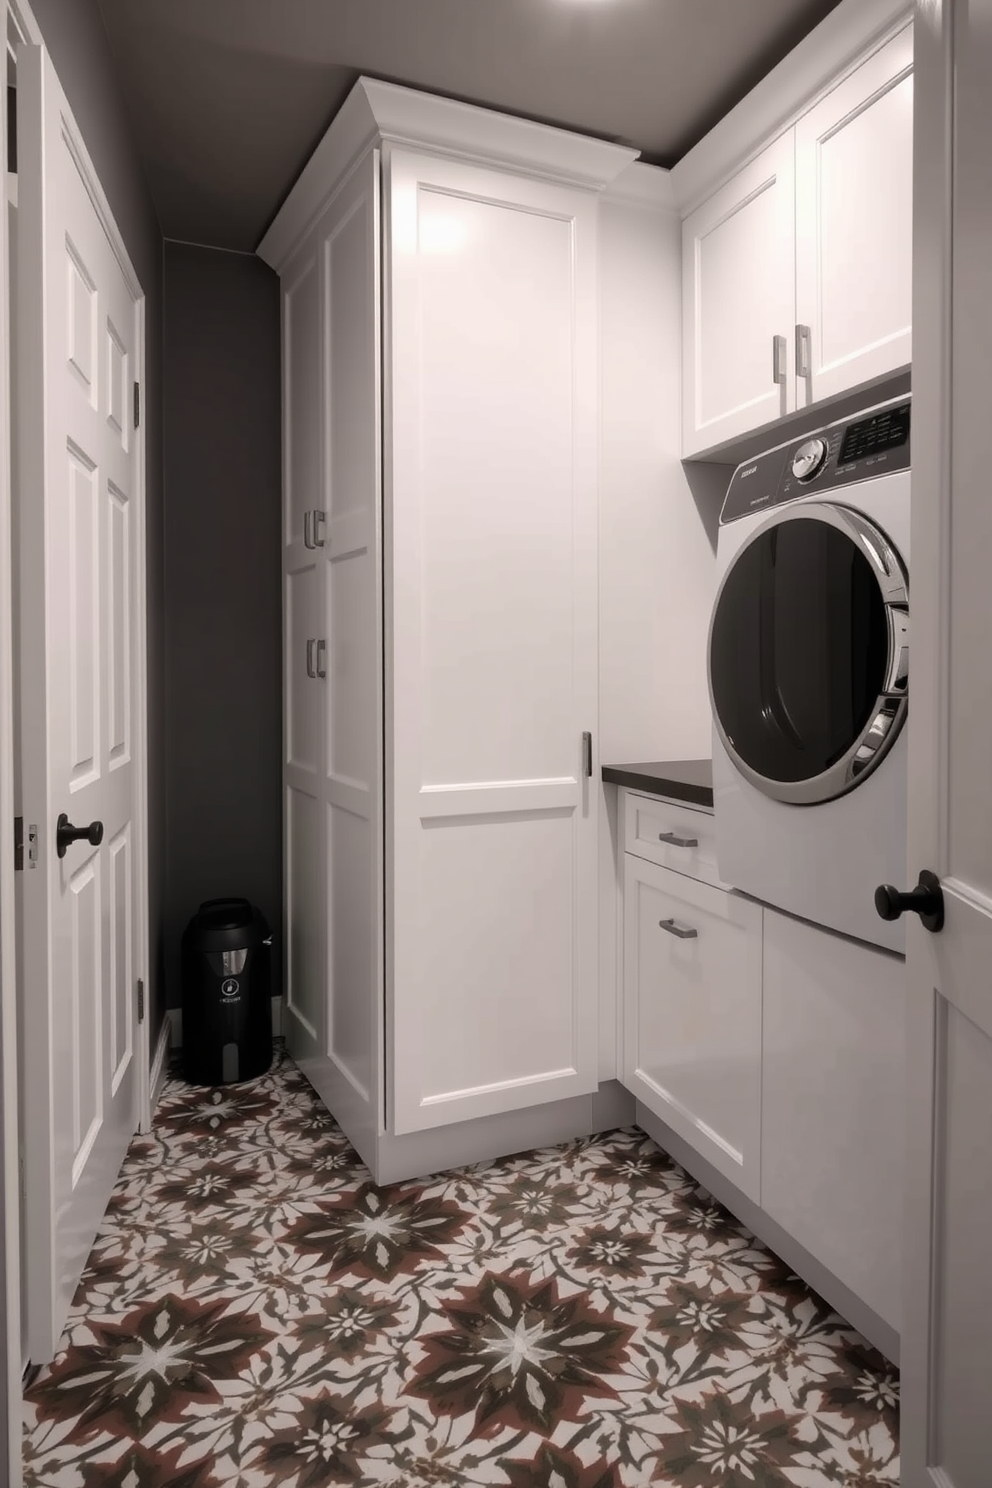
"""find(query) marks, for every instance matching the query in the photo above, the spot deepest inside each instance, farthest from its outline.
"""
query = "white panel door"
(491, 642)
(739, 302)
(946, 1374)
(345, 1060)
(692, 1014)
(854, 226)
(304, 861)
(80, 486)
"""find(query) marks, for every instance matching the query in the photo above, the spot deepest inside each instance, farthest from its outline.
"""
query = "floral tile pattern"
(256, 1313)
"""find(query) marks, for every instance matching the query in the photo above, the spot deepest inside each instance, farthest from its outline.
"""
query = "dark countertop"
(681, 780)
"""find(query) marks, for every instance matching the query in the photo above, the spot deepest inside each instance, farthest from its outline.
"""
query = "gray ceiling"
(228, 97)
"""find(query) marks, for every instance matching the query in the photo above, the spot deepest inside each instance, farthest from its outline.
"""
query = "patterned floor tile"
(256, 1312)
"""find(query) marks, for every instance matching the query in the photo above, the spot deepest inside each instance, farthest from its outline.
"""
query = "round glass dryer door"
(809, 653)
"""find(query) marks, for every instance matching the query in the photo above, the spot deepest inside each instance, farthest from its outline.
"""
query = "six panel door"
(491, 528)
(854, 225)
(80, 528)
(739, 302)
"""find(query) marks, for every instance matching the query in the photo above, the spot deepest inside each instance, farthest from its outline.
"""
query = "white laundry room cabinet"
(797, 271)
(440, 381)
(692, 988)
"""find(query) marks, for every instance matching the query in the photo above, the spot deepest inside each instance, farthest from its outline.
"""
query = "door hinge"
(141, 1001)
(137, 405)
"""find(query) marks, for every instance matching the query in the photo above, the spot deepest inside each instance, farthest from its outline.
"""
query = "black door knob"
(66, 834)
(926, 900)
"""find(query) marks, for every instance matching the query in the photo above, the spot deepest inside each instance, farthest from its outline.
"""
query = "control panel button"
(809, 459)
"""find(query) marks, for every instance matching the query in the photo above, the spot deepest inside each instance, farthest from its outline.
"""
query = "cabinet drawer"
(676, 837)
(692, 1014)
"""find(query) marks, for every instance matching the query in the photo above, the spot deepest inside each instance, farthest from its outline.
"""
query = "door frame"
(10, 1202)
(17, 16)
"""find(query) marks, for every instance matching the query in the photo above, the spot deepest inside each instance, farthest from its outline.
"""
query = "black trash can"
(227, 993)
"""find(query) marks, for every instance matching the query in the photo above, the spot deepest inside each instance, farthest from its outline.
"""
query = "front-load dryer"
(809, 673)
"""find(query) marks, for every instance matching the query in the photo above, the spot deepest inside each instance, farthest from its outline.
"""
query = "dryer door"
(809, 653)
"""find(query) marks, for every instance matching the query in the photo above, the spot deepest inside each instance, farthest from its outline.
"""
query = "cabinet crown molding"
(376, 112)
(643, 185)
(811, 69)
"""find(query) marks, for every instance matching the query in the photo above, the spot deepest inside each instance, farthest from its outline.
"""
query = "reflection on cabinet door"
(739, 302)
(854, 225)
(692, 1014)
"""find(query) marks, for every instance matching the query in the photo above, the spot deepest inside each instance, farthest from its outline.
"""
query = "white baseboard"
(160, 1064)
(489, 1138)
(175, 1019)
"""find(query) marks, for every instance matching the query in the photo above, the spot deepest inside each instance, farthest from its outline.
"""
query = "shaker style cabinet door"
(491, 643)
(332, 361)
(854, 226)
(739, 303)
(303, 724)
(832, 1169)
(692, 1014)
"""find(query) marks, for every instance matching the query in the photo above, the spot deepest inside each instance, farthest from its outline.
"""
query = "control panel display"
(823, 464)
(886, 430)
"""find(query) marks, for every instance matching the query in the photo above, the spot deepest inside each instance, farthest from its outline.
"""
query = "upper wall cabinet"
(739, 301)
(854, 226)
(797, 274)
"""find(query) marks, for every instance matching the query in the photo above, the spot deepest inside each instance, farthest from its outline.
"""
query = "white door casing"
(738, 296)
(854, 211)
(490, 527)
(947, 1383)
(82, 693)
(334, 596)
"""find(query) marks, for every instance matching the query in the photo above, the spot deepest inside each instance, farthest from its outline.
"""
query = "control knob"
(809, 459)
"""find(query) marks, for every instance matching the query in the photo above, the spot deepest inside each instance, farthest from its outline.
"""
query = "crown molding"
(642, 185)
(352, 130)
(814, 67)
(376, 112)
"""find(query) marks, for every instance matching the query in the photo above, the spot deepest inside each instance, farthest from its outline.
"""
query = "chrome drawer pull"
(684, 932)
(674, 841)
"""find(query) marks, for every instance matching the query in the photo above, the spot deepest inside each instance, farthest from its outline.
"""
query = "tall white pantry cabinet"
(438, 266)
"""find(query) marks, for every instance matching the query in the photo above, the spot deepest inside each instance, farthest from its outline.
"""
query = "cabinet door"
(692, 1014)
(832, 1103)
(738, 295)
(304, 980)
(491, 659)
(854, 223)
(334, 804)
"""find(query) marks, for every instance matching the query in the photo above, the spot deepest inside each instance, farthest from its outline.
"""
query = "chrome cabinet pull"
(778, 359)
(683, 932)
(306, 529)
(674, 841)
(311, 670)
(321, 653)
(587, 754)
(803, 338)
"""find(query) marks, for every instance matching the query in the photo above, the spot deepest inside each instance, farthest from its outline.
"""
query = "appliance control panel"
(873, 444)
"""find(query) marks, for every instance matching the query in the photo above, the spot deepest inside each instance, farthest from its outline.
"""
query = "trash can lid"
(224, 914)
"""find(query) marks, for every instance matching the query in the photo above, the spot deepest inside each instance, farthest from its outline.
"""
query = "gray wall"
(223, 649)
(74, 34)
